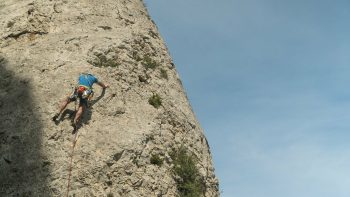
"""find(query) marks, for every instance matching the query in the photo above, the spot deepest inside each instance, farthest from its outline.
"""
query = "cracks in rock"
(34, 22)
(31, 33)
(118, 155)
(115, 158)
(56, 8)
(126, 20)
(59, 66)
(105, 27)
(56, 135)
(75, 38)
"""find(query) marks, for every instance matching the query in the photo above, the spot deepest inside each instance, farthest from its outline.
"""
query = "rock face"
(127, 140)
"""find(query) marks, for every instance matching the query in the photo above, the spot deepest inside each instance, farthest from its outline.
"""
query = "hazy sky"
(269, 81)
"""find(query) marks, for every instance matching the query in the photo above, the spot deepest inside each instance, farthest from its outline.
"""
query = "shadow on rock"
(86, 117)
(23, 170)
(88, 112)
(66, 114)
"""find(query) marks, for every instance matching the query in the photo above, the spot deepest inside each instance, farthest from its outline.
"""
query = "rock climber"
(83, 92)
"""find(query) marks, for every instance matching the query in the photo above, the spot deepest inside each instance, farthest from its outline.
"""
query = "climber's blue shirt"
(87, 80)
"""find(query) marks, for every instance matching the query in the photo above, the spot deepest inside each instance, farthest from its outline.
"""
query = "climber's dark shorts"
(75, 96)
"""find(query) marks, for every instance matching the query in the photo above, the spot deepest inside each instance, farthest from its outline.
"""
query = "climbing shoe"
(54, 118)
(75, 128)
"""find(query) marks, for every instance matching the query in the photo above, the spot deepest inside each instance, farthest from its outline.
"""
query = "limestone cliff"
(131, 138)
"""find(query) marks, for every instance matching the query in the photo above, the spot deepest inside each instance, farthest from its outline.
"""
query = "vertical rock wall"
(44, 45)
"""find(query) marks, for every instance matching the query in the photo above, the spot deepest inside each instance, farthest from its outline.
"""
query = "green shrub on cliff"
(155, 101)
(189, 182)
(148, 62)
(156, 160)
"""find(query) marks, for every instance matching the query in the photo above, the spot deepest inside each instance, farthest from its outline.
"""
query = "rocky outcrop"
(127, 140)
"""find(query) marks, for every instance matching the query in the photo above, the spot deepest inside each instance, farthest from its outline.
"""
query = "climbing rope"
(74, 143)
(71, 162)
(72, 153)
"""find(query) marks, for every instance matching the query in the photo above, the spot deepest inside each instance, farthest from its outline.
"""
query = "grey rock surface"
(44, 45)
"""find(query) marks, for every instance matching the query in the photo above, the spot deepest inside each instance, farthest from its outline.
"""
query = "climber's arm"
(103, 85)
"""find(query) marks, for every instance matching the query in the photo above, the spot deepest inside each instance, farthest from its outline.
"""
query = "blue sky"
(269, 81)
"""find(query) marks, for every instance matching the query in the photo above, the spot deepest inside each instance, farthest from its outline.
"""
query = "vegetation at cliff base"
(188, 179)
